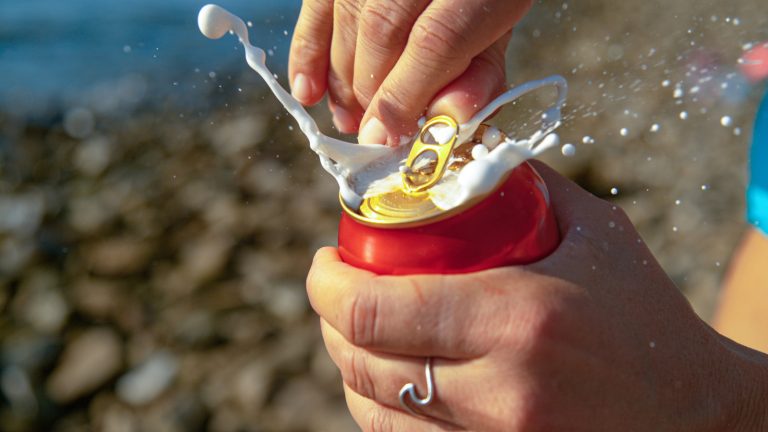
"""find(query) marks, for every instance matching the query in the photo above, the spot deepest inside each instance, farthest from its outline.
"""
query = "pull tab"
(438, 137)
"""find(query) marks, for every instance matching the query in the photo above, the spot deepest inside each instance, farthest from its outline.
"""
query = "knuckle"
(379, 420)
(345, 12)
(539, 327)
(363, 91)
(363, 320)
(384, 25)
(434, 40)
(357, 375)
(392, 104)
(339, 89)
(306, 46)
(493, 63)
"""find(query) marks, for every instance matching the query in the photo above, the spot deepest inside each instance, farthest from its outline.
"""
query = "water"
(55, 51)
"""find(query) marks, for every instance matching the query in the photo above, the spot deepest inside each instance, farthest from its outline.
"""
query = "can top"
(435, 151)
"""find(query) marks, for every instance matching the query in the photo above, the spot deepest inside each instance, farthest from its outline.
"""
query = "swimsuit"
(757, 191)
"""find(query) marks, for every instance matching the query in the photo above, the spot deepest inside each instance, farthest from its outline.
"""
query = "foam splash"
(367, 170)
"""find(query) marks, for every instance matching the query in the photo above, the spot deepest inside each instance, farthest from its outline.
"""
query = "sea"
(69, 52)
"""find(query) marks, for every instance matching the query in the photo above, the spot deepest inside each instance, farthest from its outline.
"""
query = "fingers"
(347, 112)
(416, 315)
(380, 377)
(374, 417)
(483, 81)
(310, 50)
(381, 39)
(441, 45)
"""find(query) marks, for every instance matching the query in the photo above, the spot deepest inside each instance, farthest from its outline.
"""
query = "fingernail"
(343, 120)
(373, 132)
(302, 89)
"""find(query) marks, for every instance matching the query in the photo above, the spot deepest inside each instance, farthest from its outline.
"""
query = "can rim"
(412, 223)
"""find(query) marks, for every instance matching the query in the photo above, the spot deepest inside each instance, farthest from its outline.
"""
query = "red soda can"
(403, 233)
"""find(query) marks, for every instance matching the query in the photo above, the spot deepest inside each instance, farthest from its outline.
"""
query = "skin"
(594, 337)
(743, 311)
(383, 61)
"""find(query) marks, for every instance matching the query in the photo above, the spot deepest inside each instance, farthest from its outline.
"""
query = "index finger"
(424, 315)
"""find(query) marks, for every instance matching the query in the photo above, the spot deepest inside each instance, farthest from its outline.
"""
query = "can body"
(512, 225)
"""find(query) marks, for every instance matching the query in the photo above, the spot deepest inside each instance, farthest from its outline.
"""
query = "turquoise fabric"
(757, 192)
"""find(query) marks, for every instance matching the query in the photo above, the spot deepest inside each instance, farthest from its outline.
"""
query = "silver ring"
(410, 391)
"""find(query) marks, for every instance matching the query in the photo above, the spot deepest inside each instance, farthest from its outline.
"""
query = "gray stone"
(145, 382)
(88, 362)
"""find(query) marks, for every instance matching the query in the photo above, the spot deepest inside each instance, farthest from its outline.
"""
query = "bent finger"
(441, 46)
(383, 33)
(310, 51)
(434, 315)
(483, 81)
(380, 377)
(347, 112)
(374, 417)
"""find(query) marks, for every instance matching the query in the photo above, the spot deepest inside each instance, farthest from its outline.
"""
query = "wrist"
(744, 386)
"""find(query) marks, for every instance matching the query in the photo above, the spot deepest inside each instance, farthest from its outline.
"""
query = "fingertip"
(326, 254)
(373, 132)
(345, 121)
(470, 92)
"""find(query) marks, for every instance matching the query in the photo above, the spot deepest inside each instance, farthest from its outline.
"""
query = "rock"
(269, 178)
(205, 257)
(287, 301)
(79, 122)
(98, 298)
(88, 362)
(233, 137)
(148, 380)
(40, 302)
(21, 214)
(17, 389)
(91, 157)
(252, 385)
(117, 256)
(15, 253)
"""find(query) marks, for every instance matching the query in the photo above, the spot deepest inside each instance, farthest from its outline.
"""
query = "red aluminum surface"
(513, 225)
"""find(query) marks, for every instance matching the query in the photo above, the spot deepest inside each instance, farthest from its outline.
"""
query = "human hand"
(594, 337)
(383, 61)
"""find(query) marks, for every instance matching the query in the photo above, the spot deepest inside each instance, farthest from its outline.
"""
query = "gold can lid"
(411, 204)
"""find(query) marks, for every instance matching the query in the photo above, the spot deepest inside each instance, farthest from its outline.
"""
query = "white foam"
(367, 170)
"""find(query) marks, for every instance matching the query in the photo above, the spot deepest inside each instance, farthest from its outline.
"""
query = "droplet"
(479, 152)
(726, 121)
(614, 191)
(568, 150)
(491, 137)
(683, 115)
(655, 127)
(588, 140)
(624, 131)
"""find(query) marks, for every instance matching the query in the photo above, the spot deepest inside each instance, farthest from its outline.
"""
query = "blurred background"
(159, 210)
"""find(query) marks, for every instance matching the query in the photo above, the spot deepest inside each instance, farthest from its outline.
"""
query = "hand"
(383, 61)
(594, 337)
